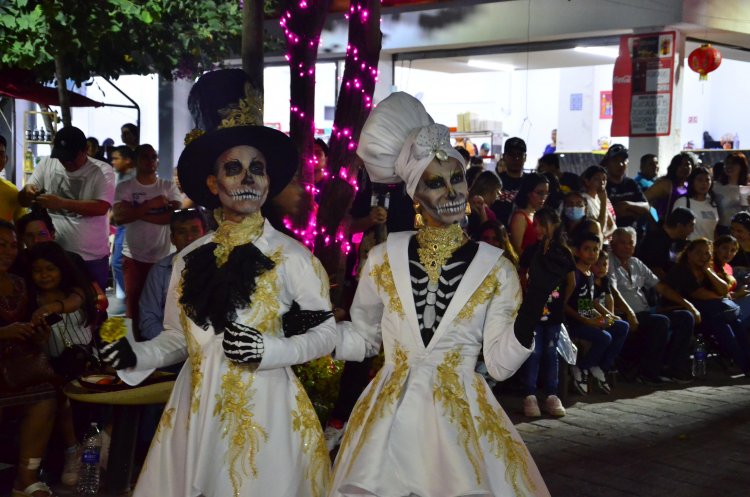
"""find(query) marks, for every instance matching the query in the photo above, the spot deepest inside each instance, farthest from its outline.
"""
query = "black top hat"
(224, 106)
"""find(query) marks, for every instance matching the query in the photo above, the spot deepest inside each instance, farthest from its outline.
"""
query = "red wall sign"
(642, 85)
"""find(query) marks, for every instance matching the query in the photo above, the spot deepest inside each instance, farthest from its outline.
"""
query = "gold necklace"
(230, 235)
(436, 245)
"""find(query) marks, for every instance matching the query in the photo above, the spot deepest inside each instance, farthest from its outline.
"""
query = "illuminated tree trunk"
(252, 44)
(352, 109)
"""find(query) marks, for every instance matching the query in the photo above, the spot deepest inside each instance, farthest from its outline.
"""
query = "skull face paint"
(442, 192)
(240, 181)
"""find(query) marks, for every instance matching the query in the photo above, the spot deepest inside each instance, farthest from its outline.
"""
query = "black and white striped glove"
(242, 344)
(119, 354)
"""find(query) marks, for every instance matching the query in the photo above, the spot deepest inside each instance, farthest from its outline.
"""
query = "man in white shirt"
(78, 192)
(144, 204)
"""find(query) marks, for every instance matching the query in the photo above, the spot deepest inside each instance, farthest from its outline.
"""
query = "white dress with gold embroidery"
(226, 430)
(428, 425)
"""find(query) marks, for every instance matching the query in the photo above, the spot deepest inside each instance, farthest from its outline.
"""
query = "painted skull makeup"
(442, 192)
(240, 182)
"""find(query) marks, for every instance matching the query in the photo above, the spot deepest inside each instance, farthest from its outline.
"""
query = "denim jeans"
(117, 273)
(605, 344)
(98, 270)
(544, 358)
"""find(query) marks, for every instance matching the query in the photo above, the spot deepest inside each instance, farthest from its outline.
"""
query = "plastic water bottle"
(699, 357)
(88, 475)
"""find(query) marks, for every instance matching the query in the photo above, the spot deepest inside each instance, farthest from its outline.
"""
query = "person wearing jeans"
(590, 321)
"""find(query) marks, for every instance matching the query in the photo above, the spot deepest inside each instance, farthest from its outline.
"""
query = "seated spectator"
(700, 200)
(544, 356)
(741, 232)
(476, 167)
(667, 189)
(529, 199)
(482, 194)
(10, 209)
(496, 235)
(660, 247)
(591, 322)
(623, 192)
(550, 164)
(725, 249)
(659, 342)
(37, 227)
(186, 226)
(16, 327)
(60, 288)
(598, 206)
(649, 170)
(694, 278)
(574, 216)
(144, 204)
(727, 189)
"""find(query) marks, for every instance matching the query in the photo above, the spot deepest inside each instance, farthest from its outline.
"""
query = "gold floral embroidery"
(264, 310)
(320, 272)
(247, 111)
(452, 395)
(235, 411)
(482, 294)
(490, 425)
(383, 278)
(306, 422)
(229, 235)
(196, 358)
(359, 421)
(166, 421)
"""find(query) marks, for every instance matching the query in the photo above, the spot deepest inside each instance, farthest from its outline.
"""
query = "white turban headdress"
(400, 139)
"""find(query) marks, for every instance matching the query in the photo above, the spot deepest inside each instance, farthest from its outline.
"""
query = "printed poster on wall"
(605, 105)
(642, 85)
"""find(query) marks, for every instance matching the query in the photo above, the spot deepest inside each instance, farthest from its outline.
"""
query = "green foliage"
(175, 38)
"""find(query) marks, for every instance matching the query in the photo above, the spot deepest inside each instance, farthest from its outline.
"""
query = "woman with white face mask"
(427, 424)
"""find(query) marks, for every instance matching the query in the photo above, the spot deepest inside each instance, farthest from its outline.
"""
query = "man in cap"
(626, 196)
(78, 191)
(514, 157)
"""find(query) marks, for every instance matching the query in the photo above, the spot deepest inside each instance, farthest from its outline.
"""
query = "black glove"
(119, 354)
(242, 344)
(546, 272)
(296, 321)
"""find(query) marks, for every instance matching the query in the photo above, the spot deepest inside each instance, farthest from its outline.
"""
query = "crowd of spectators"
(650, 258)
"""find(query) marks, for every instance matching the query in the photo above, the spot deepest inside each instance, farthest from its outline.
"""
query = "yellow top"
(10, 209)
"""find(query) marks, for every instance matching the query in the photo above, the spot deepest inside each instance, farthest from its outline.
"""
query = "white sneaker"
(554, 406)
(601, 379)
(69, 476)
(333, 436)
(580, 379)
(531, 407)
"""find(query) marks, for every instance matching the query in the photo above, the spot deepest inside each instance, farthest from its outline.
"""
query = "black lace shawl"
(211, 295)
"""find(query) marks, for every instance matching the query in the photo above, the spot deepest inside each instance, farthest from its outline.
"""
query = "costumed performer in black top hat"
(238, 422)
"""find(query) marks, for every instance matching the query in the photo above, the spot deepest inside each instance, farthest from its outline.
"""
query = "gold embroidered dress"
(428, 425)
(229, 431)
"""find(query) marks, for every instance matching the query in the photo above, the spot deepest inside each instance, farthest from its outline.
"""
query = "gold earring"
(418, 219)
(468, 209)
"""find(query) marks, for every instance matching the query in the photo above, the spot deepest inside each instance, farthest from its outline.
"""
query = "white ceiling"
(536, 60)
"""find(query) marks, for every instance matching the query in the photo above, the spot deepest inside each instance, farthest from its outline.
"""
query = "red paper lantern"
(704, 60)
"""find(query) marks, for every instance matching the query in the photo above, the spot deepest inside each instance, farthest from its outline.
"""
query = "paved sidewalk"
(686, 441)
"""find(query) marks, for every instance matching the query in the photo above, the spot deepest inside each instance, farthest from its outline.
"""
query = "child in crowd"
(590, 321)
(700, 200)
(61, 290)
(602, 289)
(544, 357)
(725, 249)
(496, 235)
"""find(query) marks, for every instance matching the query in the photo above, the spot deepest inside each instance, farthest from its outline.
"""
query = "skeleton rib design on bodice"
(431, 299)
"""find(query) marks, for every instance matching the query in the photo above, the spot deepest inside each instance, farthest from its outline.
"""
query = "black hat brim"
(197, 161)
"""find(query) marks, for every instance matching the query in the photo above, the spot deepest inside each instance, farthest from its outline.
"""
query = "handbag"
(23, 365)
